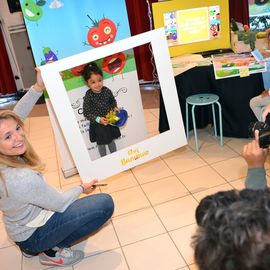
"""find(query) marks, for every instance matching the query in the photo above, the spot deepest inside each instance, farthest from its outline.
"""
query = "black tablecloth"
(234, 96)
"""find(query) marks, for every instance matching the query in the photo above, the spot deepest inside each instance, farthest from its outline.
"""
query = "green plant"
(234, 26)
(248, 37)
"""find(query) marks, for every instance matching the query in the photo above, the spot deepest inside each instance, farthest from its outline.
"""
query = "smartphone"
(100, 185)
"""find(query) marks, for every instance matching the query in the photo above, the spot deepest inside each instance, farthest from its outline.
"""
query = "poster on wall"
(58, 29)
(134, 149)
(192, 25)
(259, 15)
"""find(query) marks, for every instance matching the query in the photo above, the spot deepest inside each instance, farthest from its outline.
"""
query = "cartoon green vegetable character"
(32, 11)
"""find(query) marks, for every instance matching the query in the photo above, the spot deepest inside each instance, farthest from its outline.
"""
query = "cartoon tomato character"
(31, 10)
(114, 64)
(102, 33)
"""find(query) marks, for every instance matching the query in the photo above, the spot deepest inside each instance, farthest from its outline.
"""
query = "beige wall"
(7, 18)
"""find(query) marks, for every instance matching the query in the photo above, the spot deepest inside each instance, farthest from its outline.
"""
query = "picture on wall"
(192, 25)
(259, 15)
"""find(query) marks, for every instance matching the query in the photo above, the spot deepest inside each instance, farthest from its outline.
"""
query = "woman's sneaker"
(63, 257)
(29, 255)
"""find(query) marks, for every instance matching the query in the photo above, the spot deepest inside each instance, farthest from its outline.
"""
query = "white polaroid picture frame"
(133, 155)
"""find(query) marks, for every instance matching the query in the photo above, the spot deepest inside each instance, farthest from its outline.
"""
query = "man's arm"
(256, 179)
(255, 158)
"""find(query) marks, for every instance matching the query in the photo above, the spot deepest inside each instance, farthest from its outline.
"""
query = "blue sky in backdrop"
(62, 25)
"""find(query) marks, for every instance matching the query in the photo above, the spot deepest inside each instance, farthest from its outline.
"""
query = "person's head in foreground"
(233, 231)
(38, 218)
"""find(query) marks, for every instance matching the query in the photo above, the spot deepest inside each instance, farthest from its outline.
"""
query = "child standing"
(97, 102)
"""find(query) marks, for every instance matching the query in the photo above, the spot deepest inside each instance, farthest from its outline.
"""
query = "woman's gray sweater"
(24, 193)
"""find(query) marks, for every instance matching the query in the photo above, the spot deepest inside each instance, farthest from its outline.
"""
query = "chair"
(261, 111)
(203, 100)
(266, 82)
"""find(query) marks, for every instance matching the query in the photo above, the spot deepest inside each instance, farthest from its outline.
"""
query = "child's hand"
(116, 109)
(265, 93)
(103, 121)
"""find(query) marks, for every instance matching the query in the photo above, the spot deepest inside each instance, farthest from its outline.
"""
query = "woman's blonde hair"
(29, 159)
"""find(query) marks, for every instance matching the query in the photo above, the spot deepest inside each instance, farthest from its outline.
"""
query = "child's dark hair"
(89, 69)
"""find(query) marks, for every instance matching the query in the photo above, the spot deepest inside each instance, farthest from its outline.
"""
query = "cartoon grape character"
(102, 32)
(32, 11)
(174, 36)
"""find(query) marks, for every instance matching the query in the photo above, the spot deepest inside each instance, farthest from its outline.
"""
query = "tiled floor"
(153, 222)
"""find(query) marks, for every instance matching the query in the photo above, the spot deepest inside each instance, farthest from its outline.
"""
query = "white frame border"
(153, 146)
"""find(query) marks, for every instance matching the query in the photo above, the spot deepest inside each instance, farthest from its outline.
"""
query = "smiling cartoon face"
(49, 55)
(31, 11)
(102, 34)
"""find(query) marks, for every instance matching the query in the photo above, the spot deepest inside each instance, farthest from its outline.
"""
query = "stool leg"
(220, 124)
(214, 119)
(187, 127)
(194, 128)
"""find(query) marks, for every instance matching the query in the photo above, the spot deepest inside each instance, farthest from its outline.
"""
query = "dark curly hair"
(234, 231)
(89, 69)
(208, 205)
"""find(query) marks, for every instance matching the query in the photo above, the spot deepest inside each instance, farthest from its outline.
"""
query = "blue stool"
(202, 100)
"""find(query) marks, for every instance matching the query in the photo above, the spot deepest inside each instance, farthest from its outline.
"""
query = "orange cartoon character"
(102, 32)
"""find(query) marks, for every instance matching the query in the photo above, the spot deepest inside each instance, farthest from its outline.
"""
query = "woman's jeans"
(81, 218)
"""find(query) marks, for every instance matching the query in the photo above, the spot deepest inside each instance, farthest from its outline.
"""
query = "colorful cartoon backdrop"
(61, 28)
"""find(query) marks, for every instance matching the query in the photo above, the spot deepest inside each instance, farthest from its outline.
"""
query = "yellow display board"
(193, 26)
